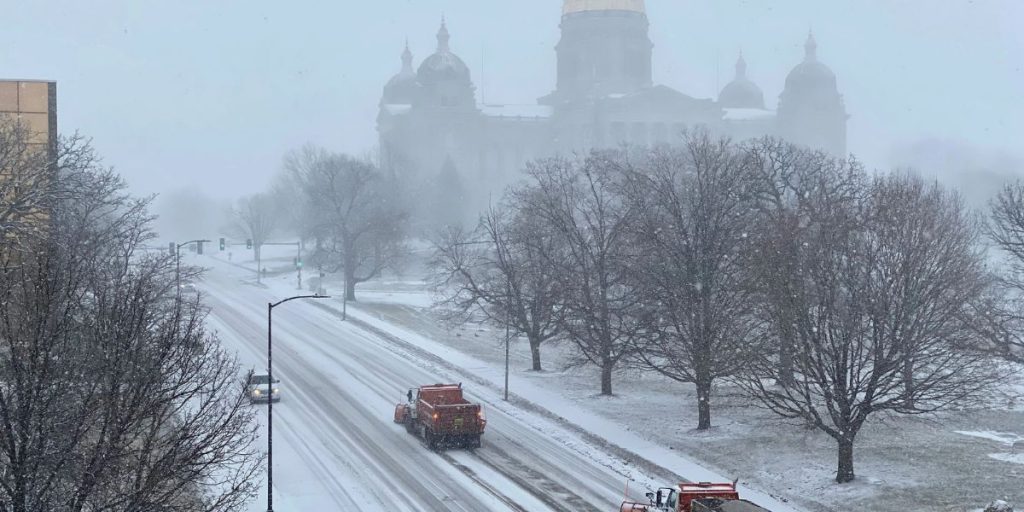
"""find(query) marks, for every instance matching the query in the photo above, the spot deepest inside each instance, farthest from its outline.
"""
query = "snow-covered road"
(336, 447)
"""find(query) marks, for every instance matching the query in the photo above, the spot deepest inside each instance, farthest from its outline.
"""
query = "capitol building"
(430, 117)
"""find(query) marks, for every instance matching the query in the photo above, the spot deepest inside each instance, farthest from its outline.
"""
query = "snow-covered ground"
(645, 431)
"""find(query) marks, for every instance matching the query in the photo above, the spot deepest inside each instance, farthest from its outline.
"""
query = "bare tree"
(883, 270)
(695, 208)
(582, 202)
(354, 214)
(504, 270)
(255, 217)
(781, 167)
(112, 397)
(289, 197)
(998, 317)
(26, 185)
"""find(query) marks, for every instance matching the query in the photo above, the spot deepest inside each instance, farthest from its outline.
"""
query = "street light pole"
(270, 400)
(508, 320)
(177, 262)
(270, 410)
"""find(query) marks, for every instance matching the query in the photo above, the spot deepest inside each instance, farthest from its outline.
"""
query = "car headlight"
(275, 390)
(256, 392)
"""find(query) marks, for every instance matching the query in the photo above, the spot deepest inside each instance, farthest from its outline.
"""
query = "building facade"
(34, 104)
(28, 121)
(604, 97)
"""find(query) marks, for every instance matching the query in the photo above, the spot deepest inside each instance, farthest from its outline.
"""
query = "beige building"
(28, 160)
(34, 103)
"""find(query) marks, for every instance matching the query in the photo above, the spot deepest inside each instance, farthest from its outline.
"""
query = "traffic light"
(297, 262)
(199, 247)
(222, 244)
(171, 246)
(248, 243)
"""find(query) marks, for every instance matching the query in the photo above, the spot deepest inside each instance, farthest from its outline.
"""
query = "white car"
(260, 389)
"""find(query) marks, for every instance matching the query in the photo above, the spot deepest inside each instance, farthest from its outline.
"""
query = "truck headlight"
(275, 390)
(256, 392)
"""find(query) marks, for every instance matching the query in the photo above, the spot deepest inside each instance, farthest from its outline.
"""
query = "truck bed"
(731, 506)
(459, 418)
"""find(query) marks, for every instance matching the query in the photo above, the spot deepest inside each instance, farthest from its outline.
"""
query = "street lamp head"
(193, 241)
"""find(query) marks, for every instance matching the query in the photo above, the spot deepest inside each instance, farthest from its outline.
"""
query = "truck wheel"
(410, 425)
(428, 436)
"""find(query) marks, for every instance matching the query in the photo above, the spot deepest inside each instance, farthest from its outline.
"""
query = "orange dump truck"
(694, 497)
(442, 417)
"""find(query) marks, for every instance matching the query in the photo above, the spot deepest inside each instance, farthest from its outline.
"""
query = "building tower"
(605, 49)
(811, 110)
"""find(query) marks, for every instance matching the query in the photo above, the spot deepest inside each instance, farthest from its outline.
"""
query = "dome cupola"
(811, 111)
(402, 88)
(741, 92)
(443, 64)
(811, 76)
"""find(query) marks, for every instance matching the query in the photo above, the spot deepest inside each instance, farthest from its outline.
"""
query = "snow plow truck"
(442, 417)
(694, 497)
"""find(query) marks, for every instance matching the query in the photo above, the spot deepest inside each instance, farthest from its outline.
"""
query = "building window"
(660, 133)
(639, 135)
(677, 131)
(618, 134)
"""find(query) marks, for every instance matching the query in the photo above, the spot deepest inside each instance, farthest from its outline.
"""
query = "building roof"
(396, 108)
(747, 114)
(543, 111)
(574, 6)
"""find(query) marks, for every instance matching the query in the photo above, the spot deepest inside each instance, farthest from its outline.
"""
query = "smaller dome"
(741, 92)
(443, 65)
(401, 89)
(811, 75)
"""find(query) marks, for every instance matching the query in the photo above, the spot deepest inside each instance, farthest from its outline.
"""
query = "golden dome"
(572, 6)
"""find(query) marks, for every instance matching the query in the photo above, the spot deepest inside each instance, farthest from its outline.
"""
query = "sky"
(211, 95)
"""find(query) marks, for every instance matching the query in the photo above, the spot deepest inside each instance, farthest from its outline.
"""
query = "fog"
(797, 226)
(211, 95)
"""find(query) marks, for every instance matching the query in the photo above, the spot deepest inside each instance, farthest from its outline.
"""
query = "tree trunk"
(350, 285)
(908, 381)
(606, 378)
(786, 357)
(535, 352)
(703, 404)
(845, 472)
(350, 270)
